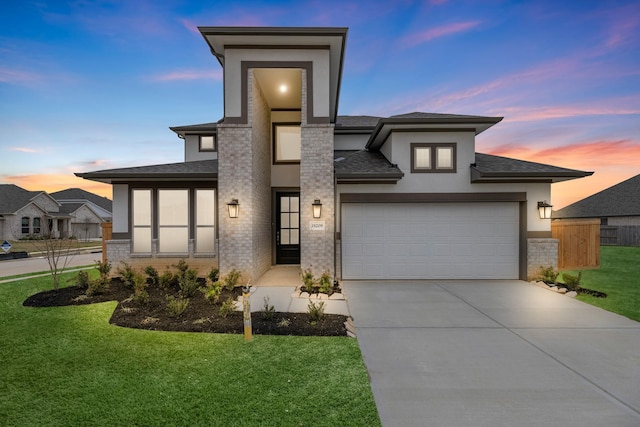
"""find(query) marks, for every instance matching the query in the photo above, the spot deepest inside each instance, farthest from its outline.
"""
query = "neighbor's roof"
(183, 171)
(490, 168)
(14, 198)
(77, 194)
(353, 166)
(622, 199)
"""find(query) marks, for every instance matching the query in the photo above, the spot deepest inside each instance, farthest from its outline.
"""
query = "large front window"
(173, 221)
(141, 200)
(287, 140)
(205, 220)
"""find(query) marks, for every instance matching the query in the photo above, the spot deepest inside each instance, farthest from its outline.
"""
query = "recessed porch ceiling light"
(283, 88)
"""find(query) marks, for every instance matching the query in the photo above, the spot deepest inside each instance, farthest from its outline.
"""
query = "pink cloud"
(189, 75)
(624, 28)
(28, 78)
(437, 32)
(23, 149)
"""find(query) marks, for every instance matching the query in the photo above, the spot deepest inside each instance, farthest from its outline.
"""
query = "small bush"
(126, 273)
(227, 307)
(214, 274)
(104, 268)
(82, 279)
(548, 274)
(572, 282)
(188, 282)
(231, 279)
(140, 294)
(152, 275)
(284, 323)
(316, 311)
(166, 279)
(325, 284)
(100, 284)
(176, 306)
(309, 281)
(268, 310)
(212, 291)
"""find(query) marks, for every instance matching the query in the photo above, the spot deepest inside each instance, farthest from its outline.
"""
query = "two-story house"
(283, 179)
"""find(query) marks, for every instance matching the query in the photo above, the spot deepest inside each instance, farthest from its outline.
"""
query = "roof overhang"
(478, 176)
(332, 38)
(201, 170)
(462, 124)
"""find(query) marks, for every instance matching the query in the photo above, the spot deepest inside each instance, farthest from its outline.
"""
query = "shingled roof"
(364, 166)
(78, 194)
(490, 168)
(14, 198)
(183, 171)
(622, 199)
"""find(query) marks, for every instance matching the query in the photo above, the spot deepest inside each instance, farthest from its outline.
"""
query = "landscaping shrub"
(176, 306)
(316, 311)
(268, 310)
(188, 282)
(140, 294)
(308, 281)
(100, 284)
(166, 279)
(126, 273)
(572, 282)
(213, 290)
(325, 284)
(214, 274)
(82, 279)
(152, 275)
(548, 275)
(227, 307)
(231, 279)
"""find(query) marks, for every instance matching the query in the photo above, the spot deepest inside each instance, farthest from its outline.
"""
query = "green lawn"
(618, 277)
(32, 245)
(68, 366)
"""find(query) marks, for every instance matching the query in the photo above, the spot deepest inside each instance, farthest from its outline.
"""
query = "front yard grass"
(618, 277)
(30, 245)
(69, 366)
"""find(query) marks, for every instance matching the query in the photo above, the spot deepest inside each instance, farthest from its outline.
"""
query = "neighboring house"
(27, 214)
(283, 179)
(617, 208)
(87, 210)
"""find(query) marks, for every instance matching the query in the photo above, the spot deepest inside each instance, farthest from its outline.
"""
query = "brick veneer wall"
(541, 253)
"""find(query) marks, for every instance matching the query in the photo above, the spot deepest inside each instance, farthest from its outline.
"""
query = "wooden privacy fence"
(620, 235)
(578, 242)
(107, 229)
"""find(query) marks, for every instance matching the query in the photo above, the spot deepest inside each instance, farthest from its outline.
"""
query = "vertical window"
(207, 143)
(173, 221)
(25, 225)
(141, 221)
(433, 158)
(36, 225)
(205, 220)
(287, 139)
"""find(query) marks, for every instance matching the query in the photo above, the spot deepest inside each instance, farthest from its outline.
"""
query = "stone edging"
(560, 290)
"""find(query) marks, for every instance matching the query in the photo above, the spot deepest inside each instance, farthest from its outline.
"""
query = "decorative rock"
(572, 294)
(554, 288)
(562, 290)
(337, 296)
(296, 294)
(322, 296)
(542, 285)
(304, 294)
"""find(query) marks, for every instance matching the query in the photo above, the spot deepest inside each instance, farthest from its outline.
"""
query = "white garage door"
(430, 240)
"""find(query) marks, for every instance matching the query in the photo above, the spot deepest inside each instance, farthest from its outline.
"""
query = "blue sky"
(90, 85)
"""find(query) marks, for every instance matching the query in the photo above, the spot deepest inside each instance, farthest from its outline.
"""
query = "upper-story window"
(207, 143)
(287, 139)
(433, 158)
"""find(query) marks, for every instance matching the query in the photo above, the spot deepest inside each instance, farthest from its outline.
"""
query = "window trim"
(28, 225)
(433, 147)
(275, 127)
(207, 150)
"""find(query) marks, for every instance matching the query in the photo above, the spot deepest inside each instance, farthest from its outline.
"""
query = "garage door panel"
(430, 241)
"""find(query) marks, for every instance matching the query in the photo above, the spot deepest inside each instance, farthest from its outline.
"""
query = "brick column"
(541, 253)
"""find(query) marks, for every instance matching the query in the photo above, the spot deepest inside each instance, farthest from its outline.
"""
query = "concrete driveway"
(494, 353)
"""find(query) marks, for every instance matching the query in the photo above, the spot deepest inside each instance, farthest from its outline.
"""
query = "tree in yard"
(57, 251)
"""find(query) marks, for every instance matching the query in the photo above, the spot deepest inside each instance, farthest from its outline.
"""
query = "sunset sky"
(90, 85)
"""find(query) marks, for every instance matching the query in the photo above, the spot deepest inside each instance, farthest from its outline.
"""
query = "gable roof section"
(183, 171)
(78, 194)
(360, 166)
(14, 198)
(490, 168)
(622, 199)
(198, 129)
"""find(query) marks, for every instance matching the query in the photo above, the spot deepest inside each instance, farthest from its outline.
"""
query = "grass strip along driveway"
(69, 366)
(618, 277)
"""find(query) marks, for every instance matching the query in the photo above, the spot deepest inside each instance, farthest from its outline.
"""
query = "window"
(207, 143)
(141, 221)
(287, 138)
(433, 158)
(205, 221)
(173, 221)
(36, 225)
(25, 225)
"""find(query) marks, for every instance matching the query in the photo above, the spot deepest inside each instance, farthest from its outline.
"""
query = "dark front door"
(288, 228)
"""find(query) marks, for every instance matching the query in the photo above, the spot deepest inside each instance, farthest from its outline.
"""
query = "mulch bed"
(585, 291)
(200, 315)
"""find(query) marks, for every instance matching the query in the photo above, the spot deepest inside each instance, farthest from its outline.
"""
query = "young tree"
(57, 250)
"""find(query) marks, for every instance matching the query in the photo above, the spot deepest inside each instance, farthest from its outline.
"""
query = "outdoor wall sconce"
(544, 210)
(234, 208)
(317, 208)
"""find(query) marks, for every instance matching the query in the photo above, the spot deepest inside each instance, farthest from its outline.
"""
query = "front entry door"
(288, 228)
